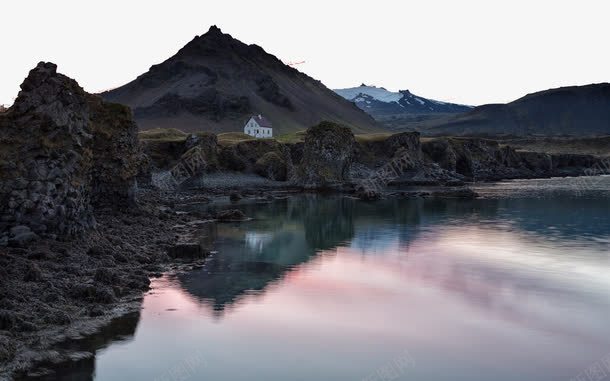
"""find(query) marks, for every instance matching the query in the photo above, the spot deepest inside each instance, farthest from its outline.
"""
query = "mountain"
(215, 83)
(571, 111)
(382, 104)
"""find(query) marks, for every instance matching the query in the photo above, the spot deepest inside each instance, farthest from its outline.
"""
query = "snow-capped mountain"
(379, 102)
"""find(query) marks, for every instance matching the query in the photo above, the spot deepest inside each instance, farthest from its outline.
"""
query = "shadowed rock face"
(377, 152)
(63, 151)
(117, 157)
(328, 153)
(482, 159)
(268, 158)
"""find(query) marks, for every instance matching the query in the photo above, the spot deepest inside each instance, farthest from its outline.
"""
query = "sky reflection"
(334, 289)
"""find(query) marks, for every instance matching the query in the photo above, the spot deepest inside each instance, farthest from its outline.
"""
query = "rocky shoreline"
(56, 290)
(90, 212)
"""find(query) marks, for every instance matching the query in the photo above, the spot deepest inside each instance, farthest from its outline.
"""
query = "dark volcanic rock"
(210, 103)
(97, 293)
(231, 215)
(117, 156)
(368, 194)
(463, 193)
(327, 156)
(272, 166)
(376, 152)
(61, 152)
(46, 158)
(235, 197)
(483, 159)
(267, 157)
(187, 250)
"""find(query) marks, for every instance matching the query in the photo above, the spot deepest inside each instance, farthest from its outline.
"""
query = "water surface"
(512, 286)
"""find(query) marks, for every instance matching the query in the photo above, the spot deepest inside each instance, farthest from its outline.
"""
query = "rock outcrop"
(328, 154)
(375, 152)
(272, 166)
(62, 152)
(266, 157)
(117, 157)
(485, 160)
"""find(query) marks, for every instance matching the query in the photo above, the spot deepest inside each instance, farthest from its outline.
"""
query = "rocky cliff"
(486, 160)
(331, 157)
(62, 152)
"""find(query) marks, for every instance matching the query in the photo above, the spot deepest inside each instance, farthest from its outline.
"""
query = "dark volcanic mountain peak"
(212, 42)
(216, 82)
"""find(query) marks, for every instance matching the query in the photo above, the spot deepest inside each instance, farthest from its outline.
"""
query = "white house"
(259, 127)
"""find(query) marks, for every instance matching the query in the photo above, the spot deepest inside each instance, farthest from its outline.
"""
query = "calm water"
(513, 286)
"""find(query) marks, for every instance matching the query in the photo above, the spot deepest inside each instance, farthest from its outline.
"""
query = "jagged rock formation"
(265, 157)
(332, 158)
(117, 156)
(482, 159)
(268, 158)
(215, 83)
(376, 152)
(62, 151)
(328, 153)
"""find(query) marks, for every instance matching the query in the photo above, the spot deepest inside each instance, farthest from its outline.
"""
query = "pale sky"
(471, 51)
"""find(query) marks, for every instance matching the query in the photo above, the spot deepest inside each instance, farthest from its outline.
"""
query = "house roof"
(262, 121)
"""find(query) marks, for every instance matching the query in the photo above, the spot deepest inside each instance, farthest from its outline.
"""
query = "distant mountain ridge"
(381, 103)
(215, 83)
(570, 111)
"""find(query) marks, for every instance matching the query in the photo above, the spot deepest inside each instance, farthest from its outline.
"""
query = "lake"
(512, 286)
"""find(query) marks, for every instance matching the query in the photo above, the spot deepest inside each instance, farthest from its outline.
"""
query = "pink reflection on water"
(463, 295)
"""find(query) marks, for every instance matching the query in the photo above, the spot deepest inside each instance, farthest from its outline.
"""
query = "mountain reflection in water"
(288, 233)
(512, 286)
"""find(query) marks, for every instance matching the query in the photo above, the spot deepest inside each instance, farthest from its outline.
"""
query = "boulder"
(235, 197)
(248, 156)
(328, 153)
(22, 239)
(272, 166)
(187, 250)
(231, 215)
(461, 193)
(368, 194)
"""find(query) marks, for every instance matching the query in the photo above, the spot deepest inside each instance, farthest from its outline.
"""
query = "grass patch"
(230, 138)
(295, 137)
(374, 137)
(165, 134)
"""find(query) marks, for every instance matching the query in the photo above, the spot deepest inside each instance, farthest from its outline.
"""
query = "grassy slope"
(589, 146)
